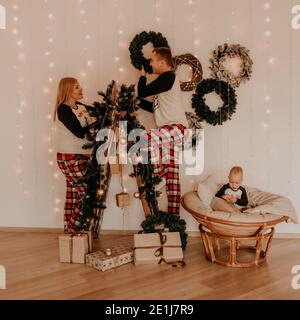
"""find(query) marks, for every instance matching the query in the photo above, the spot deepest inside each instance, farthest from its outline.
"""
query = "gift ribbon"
(72, 234)
(160, 251)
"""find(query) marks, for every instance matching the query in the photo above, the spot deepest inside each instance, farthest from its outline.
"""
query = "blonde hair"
(65, 88)
(235, 171)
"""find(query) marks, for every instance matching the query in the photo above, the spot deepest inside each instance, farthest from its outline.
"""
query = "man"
(170, 119)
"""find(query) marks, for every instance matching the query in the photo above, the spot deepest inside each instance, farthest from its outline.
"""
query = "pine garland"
(170, 221)
(226, 93)
(118, 105)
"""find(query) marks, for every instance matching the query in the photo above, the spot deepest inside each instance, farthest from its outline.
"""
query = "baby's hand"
(227, 197)
(233, 198)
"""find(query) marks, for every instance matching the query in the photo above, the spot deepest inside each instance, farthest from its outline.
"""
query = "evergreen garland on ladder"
(116, 106)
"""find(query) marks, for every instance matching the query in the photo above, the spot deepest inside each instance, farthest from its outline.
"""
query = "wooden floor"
(34, 272)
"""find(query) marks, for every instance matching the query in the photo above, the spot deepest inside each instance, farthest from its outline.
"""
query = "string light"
(47, 92)
(271, 60)
(157, 7)
(100, 192)
(18, 67)
(266, 125)
(84, 73)
(56, 175)
(267, 98)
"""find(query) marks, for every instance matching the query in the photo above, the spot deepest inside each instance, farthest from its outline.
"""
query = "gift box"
(74, 247)
(110, 258)
(157, 247)
(123, 199)
(80, 248)
(65, 247)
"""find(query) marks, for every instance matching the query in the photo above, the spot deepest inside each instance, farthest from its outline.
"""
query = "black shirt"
(164, 82)
(243, 201)
(69, 119)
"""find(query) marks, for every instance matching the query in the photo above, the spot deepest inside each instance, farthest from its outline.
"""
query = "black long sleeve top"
(164, 82)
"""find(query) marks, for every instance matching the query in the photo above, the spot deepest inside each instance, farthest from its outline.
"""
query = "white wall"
(46, 40)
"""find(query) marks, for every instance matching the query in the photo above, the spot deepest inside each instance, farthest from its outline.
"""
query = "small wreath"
(226, 93)
(231, 51)
(136, 46)
(195, 64)
(166, 220)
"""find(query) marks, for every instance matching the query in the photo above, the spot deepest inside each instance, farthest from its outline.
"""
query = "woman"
(72, 125)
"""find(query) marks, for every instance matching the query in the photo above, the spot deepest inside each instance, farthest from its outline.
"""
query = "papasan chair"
(255, 225)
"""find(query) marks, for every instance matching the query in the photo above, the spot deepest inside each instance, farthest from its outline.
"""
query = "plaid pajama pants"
(165, 144)
(73, 166)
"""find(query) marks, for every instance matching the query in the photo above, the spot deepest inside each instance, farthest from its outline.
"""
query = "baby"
(232, 192)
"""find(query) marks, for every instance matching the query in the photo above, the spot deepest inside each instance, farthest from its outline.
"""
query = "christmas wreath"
(166, 220)
(226, 93)
(224, 52)
(197, 72)
(136, 46)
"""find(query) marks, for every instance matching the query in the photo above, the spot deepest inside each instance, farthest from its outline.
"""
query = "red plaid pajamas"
(165, 144)
(73, 166)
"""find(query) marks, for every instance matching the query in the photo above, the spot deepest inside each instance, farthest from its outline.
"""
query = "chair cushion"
(207, 190)
(193, 202)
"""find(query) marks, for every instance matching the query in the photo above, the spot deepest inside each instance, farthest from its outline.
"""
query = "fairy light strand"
(22, 103)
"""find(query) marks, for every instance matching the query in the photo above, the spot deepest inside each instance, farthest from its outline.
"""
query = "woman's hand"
(142, 72)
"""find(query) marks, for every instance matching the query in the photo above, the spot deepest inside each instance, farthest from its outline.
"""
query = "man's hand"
(142, 72)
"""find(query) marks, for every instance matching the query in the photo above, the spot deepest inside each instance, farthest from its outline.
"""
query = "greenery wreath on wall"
(226, 93)
(221, 54)
(197, 71)
(136, 46)
(170, 221)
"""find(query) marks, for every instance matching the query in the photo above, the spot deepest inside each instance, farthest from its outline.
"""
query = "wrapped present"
(123, 199)
(110, 258)
(73, 247)
(90, 240)
(80, 247)
(65, 247)
(158, 247)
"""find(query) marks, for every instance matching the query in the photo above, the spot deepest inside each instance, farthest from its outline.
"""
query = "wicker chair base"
(211, 245)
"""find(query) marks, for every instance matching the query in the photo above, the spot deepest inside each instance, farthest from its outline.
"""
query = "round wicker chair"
(234, 229)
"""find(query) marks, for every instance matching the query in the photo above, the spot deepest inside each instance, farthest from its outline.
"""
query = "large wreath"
(195, 64)
(224, 52)
(136, 46)
(166, 220)
(226, 93)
